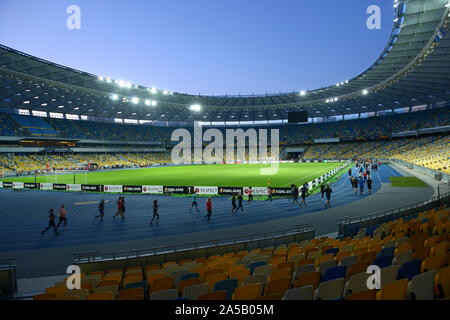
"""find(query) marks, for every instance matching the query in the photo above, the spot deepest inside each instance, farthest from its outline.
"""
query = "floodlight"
(195, 107)
(114, 97)
(147, 102)
(135, 100)
(365, 92)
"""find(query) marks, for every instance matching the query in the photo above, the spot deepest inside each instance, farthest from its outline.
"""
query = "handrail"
(119, 255)
(7, 263)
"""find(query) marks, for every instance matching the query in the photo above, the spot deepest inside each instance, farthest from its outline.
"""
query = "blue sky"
(204, 46)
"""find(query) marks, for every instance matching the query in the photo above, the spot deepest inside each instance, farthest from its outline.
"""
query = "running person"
(322, 190)
(155, 212)
(304, 191)
(194, 203)
(355, 185)
(250, 195)
(62, 216)
(269, 194)
(123, 207)
(369, 185)
(119, 207)
(51, 222)
(361, 185)
(328, 192)
(101, 210)
(209, 208)
(240, 206)
(294, 194)
(305, 185)
(233, 203)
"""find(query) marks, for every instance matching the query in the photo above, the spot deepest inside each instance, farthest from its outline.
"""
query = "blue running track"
(24, 215)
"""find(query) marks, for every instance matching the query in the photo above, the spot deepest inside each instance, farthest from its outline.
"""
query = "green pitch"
(407, 182)
(239, 175)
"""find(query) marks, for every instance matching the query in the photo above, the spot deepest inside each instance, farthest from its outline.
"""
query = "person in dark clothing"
(240, 206)
(305, 185)
(369, 185)
(123, 207)
(322, 190)
(209, 208)
(233, 203)
(51, 222)
(355, 185)
(328, 192)
(350, 172)
(304, 191)
(294, 195)
(250, 195)
(155, 212)
(101, 210)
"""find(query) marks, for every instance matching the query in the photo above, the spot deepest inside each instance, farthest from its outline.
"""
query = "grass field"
(240, 175)
(407, 182)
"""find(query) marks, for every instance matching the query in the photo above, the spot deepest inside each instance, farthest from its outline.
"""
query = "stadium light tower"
(195, 107)
(303, 93)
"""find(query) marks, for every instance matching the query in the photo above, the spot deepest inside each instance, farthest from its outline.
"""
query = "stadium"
(288, 196)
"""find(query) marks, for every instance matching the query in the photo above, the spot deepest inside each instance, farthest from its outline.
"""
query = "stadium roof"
(413, 69)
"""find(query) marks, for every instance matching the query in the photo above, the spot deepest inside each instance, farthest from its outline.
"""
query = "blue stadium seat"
(386, 252)
(228, 285)
(334, 273)
(409, 269)
(383, 262)
(334, 251)
(189, 276)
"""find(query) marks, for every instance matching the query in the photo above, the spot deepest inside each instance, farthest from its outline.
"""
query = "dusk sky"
(204, 46)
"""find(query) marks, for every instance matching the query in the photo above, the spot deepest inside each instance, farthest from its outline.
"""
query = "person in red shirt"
(209, 208)
(119, 208)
